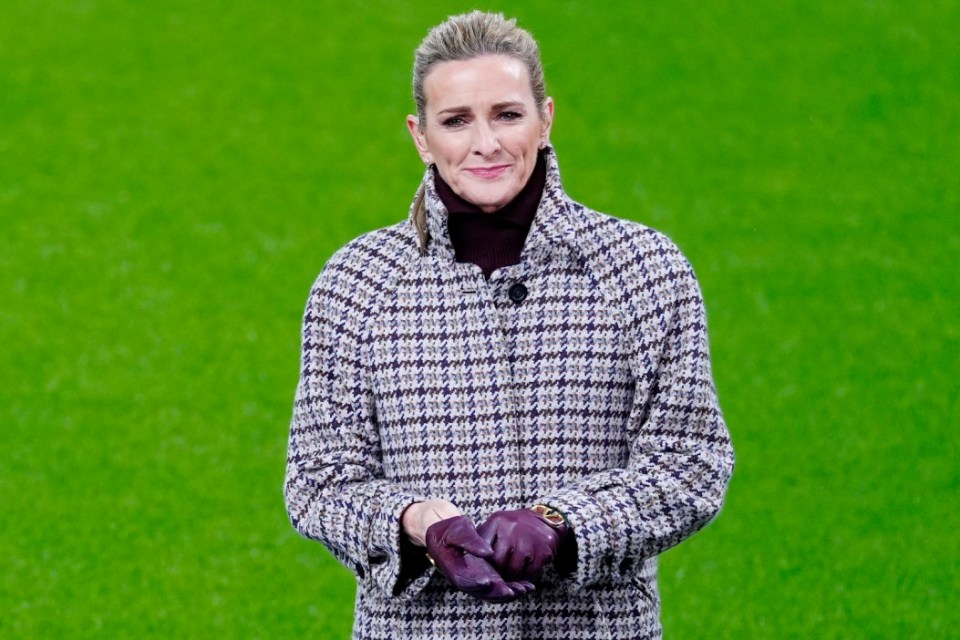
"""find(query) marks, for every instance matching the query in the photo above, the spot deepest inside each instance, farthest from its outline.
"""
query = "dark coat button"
(518, 293)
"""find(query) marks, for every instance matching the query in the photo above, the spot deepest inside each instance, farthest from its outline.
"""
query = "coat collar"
(550, 230)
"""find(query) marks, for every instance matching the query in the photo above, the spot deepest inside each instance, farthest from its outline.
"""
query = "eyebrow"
(497, 107)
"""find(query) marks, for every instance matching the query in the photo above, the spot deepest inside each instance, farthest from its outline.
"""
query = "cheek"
(529, 142)
(449, 150)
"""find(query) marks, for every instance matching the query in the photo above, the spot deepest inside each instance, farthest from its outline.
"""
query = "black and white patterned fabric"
(579, 378)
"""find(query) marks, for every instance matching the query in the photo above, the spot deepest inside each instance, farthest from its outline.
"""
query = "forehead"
(486, 80)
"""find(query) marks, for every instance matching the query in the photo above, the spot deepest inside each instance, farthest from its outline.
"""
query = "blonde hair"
(471, 35)
(464, 37)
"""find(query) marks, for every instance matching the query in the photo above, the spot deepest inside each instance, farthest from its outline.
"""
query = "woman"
(505, 409)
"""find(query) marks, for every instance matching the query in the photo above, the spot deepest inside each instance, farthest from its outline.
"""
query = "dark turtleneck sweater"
(492, 240)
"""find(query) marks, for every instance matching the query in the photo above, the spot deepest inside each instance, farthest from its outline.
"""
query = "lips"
(489, 173)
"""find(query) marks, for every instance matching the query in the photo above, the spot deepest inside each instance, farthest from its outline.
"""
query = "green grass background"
(174, 174)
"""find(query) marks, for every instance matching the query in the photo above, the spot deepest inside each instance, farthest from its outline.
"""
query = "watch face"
(552, 516)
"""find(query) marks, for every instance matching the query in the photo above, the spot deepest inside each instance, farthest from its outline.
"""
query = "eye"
(453, 122)
(510, 115)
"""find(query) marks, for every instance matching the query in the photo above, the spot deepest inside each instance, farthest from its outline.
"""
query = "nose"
(485, 140)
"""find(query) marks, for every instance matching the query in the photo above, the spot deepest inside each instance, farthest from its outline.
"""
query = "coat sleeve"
(335, 490)
(680, 458)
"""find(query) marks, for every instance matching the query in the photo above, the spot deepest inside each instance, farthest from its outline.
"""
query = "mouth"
(489, 173)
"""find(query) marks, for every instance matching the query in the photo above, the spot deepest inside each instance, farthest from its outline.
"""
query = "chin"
(487, 198)
(489, 202)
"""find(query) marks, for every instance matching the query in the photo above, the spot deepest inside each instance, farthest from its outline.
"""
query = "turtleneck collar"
(550, 232)
(496, 239)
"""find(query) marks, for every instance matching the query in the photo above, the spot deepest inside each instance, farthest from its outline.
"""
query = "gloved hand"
(523, 543)
(458, 552)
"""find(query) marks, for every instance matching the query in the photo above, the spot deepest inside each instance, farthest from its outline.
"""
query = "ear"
(546, 122)
(419, 139)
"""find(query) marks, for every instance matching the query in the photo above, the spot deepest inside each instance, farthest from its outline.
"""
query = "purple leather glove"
(458, 552)
(523, 543)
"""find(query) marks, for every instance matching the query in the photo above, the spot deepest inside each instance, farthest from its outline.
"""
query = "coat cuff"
(386, 550)
(594, 527)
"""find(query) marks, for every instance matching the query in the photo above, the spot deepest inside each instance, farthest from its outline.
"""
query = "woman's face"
(483, 128)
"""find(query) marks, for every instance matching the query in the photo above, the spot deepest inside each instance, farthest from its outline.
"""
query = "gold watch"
(550, 515)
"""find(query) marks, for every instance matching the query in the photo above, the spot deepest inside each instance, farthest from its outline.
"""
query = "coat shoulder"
(635, 259)
(365, 266)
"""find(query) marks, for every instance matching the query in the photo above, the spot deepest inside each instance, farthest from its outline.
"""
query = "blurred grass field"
(174, 174)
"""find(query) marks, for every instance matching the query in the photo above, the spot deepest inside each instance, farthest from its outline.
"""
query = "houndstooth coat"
(579, 378)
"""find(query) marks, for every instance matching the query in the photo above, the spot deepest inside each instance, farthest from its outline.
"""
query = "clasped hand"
(497, 561)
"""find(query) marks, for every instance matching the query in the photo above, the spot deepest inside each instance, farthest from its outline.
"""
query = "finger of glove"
(512, 591)
(488, 531)
(498, 590)
(499, 594)
(463, 535)
(471, 574)
(438, 529)
(478, 579)
(455, 533)
(524, 554)
(524, 566)
(503, 524)
(521, 587)
(502, 532)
